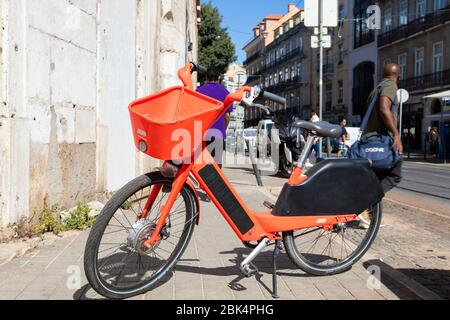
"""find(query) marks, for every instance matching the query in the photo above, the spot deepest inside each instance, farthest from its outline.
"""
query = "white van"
(263, 139)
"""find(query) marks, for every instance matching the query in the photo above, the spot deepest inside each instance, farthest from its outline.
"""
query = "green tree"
(216, 48)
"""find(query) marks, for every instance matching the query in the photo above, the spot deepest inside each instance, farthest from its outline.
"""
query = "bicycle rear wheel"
(117, 264)
(326, 252)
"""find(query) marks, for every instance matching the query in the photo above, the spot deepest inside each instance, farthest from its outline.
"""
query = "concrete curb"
(404, 282)
(10, 251)
(19, 248)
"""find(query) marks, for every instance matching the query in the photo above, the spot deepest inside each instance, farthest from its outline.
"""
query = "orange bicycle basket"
(155, 119)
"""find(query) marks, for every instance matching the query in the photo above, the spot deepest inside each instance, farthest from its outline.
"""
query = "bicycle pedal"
(269, 205)
(249, 270)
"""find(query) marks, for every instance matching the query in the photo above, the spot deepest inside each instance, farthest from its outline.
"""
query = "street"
(426, 179)
(414, 237)
(426, 186)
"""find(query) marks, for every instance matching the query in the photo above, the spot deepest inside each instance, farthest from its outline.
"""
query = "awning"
(440, 95)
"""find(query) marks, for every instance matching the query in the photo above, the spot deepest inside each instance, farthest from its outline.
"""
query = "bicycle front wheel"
(322, 252)
(117, 264)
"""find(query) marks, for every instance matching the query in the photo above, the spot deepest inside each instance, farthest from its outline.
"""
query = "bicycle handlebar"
(273, 97)
(269, 111)
(198, 68)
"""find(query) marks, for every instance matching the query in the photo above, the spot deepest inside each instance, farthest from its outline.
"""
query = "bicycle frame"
(247, 224)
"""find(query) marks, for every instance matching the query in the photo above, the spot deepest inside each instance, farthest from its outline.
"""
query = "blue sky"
(240, 16)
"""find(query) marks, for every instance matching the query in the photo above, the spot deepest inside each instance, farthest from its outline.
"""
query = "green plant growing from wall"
(79, 218)
(49, 221)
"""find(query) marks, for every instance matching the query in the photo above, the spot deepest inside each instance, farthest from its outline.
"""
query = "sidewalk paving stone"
(209, 269)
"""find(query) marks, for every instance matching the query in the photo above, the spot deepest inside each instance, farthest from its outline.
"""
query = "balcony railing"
(292, 32)
(281, 85)
(431, 80)
(252, 58)
(362, 5)
(364, 38)
(428, 21)
(296, 53)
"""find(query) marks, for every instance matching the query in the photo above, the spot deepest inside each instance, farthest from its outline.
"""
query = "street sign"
(402, 97)
(326, 41)
(311, 13)
(240, 78)
(330, 13)
(324, 31)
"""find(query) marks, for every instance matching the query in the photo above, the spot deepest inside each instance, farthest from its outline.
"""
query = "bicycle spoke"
(330, 248)
(130, 267)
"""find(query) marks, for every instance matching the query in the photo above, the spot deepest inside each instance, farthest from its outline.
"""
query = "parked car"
(250, 136)
(263, 139)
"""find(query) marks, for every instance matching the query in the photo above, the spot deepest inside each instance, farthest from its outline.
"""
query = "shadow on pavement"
(424, 284)
(435, 280)
(263, 262)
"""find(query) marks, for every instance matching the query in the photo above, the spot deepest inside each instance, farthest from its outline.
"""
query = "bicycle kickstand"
(276, 252)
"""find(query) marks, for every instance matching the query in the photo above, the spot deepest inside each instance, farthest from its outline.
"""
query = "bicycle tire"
(98, 229)
(307, 266)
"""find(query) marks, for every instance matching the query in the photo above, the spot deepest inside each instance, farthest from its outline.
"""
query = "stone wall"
(69, 69)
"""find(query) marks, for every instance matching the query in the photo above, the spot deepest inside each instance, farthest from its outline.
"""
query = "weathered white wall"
(116, 88)
(68, 70)
(14, 130)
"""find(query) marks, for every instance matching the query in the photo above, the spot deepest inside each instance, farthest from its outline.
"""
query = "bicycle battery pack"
(333, 187)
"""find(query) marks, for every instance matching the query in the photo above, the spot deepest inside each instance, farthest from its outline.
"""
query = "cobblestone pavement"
(208, 269)
(414, 238)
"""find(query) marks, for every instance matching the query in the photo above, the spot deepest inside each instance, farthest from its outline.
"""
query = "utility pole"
(320, 17)
(320, 68)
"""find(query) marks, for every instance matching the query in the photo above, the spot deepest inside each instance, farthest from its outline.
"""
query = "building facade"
(335, 70)
(362, 59)
(416, 35)
(69, 69)
(261, 60)
(290, 68)
(238, 115)
(287, 66)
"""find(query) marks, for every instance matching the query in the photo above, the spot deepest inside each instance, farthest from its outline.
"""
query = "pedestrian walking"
(343, 139)
(316, 145)
(384, 121)
(434, 140)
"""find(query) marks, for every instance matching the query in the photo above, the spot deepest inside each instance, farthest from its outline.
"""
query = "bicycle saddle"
(323, 128)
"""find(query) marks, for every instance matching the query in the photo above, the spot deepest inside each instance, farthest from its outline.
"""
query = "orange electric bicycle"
(325, 218)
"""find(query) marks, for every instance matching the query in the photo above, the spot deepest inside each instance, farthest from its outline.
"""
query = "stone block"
(38, 65)
(85, 126)
(65, 125)
(65, 22)
(73, 78)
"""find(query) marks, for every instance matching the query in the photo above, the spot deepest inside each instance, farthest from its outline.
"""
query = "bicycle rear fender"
(332, 187)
